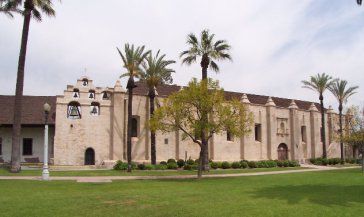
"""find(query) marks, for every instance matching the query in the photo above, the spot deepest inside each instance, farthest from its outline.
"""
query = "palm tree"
(209, 51)
(8, 9)
(359, 2)
(319, 84)
(132, 61)
(342, 93)
(155, 72)
(32, 9)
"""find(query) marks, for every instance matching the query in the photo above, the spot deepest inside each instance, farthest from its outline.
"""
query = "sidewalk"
(97, 179)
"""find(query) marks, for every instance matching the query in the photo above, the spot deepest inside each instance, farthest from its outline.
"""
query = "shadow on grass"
(326, 195)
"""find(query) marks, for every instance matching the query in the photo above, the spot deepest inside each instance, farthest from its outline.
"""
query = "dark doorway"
(90, 157)
(282, 152)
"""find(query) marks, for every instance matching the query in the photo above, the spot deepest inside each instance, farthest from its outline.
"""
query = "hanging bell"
(105, 96)
(74, 112)
(94, 111)
(75, 95)
(84, 83)
(91, 95)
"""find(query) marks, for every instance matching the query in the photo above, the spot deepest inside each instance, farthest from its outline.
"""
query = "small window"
(1, 146)
(76, 93)
(91, 94)
(165, 141)
(106, 95)
(282, 128)
(229, 137)
(84, 82)
(258, 132)
(74, 110)
(303, 134)
(134, 127)
(27, 146)
(95, 109)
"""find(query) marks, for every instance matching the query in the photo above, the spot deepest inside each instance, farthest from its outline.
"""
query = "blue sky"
(275, 44)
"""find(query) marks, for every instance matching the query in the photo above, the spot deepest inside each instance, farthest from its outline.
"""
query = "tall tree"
(359, 2)
(32, 9)
(341, 92)
(182, 111)
(319, 84)
(8, 9)
(209, 51)
(155, 72)
(132, 60)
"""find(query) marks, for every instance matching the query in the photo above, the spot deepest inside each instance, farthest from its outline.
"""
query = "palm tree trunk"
(130, 87)
(323, 134)
(15, 151)
(205, 61)
(341, 132)
(153, 150)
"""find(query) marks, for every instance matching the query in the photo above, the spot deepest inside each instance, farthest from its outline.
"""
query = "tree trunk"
(205, 62)
(200, 163)
(130, 87)
(341, 132)
(15, 151)
(323, 134)
(153, 150)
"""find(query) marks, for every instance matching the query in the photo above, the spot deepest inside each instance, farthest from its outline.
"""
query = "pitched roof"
(165, 90)
(32, 111)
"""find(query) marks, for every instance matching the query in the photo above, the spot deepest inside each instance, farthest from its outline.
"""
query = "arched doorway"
(282, 152)
(89, 157)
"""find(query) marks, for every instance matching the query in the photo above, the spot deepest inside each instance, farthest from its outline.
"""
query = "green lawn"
(329, 193)
(4, 172)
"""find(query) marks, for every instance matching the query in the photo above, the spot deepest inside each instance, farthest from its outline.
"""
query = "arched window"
(91, 94)
(95, 109)
(84, 82)
(134, 127)
(74, 110)
(106, 95)
(76, 93)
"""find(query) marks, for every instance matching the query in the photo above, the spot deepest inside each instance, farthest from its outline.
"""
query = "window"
(95, 109)
(91, 94)
(27, 146)
(106, 95)
(74, 110)
(282, 128)
(134, 127)
(166, 141)
(258, 132)
(84, 82)
(229, 137)
(303, 134)
(1, 146)
(76, 93)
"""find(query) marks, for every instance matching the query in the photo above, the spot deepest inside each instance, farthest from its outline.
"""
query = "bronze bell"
(75, 95)
(94, 111)
(91, 95)
(74, 111)
(105, 96)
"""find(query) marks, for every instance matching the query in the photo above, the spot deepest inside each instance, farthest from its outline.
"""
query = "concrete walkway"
(98, 179)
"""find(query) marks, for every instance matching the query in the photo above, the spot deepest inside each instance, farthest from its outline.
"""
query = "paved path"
(97, 179)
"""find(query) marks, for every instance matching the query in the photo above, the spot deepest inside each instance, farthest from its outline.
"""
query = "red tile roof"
(32, 111)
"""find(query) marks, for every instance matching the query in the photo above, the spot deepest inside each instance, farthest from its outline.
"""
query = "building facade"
(89, 127)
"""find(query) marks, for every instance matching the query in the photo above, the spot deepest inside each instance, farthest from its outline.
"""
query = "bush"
(171, 160)
(243, 164)
(293, 163)
(261, 164)
(180, 163)
(271, 163)
(214, 165)
(252, 164)
(197, 161)
(141, 166)
(325, 161)
(280, 163)
(286, 163)
(163, 163)
(190, 162)
(172, 165)
(187, 167)
(149, 166)
(225, 165)
(235, 165)
(160, 167)
(120, 165)
(219, 165)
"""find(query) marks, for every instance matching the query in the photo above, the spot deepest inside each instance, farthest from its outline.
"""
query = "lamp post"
(45, 173)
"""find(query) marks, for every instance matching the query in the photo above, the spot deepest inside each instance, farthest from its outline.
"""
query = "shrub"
(293, 163)
(172, 165)
(190, 162)
(197, 161)
(235, 165)
(261, 164)
(325, 161)
(171, 160)
(180, 163)
(252, 164)
(187, 167)
(160, 167)
(243, 164)
(141, 166)
(163, 163)
(225, 165)
(286, 163)
(120, 165)
(149, 166)
(336, 161)
(219, 165)
(271, 163)
(214, 165)
(280, 163)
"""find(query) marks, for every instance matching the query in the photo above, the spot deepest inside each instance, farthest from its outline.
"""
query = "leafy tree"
(132, 60)
(32, 9)
(155, 72)
(354, 130)
(209, 51)
(183, 111)
(319, 84)
(341, 92)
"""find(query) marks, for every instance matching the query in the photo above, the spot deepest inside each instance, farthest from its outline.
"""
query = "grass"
(4, 172)
(328, 193)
